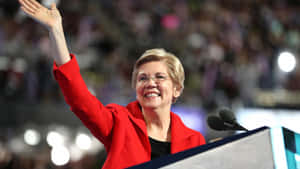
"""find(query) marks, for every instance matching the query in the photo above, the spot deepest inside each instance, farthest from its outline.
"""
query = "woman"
(144, 129)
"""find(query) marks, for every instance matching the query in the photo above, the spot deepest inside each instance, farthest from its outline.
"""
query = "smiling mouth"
(152, 95)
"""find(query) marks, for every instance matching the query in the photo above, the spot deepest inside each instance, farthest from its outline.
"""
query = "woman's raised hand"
(50, 18)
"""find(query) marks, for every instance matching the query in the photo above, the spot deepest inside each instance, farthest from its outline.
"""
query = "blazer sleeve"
(95, 116)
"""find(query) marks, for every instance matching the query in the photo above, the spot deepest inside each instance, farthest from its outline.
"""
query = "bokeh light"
(83, 141)
(286, 62)
(55, 139)
(32, 137)
(60, 155)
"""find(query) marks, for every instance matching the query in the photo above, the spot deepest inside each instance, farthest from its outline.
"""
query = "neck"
(158, 123)
(159, 118)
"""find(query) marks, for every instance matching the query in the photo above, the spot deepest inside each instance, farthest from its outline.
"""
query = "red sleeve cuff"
(66, 70)
(73, 59)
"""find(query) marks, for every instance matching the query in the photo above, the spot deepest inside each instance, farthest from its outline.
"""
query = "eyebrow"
(143, 73)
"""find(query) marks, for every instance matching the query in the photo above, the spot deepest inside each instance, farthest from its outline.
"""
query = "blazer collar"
(136, 115)
(135, 110)
(178, 129)
(179, 132)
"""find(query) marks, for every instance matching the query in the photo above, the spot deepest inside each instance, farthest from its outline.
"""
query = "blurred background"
(241, 55)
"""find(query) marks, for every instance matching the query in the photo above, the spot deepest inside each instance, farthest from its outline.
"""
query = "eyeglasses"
(157, 78)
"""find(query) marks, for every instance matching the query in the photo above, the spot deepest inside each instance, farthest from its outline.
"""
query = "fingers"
(26, 8)
(28, 5)
(28, 11)
(36, 4)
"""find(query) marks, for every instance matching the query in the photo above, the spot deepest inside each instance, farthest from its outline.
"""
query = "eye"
(142, 78)
(161, 77)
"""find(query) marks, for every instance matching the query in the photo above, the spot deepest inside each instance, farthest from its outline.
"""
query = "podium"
(262, 148)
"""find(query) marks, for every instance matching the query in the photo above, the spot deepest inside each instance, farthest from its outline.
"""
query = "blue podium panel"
(292, 147)
(286, 148)
(262, 148)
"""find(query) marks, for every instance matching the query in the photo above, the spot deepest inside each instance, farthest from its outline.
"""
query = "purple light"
(192, 117)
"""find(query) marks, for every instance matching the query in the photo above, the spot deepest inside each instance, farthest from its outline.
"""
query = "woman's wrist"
(55, 29)
(59, 46)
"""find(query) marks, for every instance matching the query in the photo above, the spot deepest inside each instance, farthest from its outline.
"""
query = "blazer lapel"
(180, 134)
(137, 119)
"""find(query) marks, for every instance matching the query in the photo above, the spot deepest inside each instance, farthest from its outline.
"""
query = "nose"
(151, 82)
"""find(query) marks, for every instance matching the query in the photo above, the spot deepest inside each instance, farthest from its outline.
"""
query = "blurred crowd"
(228, 48)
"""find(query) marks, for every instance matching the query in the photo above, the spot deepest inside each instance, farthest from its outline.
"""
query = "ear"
(176, 92)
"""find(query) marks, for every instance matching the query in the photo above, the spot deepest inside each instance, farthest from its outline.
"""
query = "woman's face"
(154, 87)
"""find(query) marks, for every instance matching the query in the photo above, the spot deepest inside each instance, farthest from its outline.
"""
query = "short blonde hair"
(175, 68)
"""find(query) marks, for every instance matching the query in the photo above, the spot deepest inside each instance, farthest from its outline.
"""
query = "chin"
(150, 104)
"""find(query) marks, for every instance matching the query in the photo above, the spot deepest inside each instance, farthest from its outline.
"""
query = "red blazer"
(121, 129)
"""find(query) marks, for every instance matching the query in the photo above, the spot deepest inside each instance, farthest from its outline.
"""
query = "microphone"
(226, 121)
(228, 117)
(214, 122)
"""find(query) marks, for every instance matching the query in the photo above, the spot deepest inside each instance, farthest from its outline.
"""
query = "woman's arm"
(51, 19)
(86, 106)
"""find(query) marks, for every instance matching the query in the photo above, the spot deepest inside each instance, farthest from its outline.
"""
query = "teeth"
(152, 95)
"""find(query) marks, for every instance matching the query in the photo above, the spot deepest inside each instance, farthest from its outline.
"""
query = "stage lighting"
(60, 155)
(286, 62)
(55, 139)
(83, 141)
(32, 137)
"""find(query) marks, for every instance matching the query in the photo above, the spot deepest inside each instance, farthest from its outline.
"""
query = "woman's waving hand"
(48, 17)
(52, 20)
